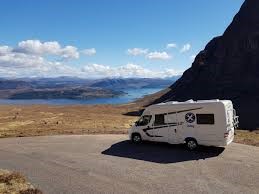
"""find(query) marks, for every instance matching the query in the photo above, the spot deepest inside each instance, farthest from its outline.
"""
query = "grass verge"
(15, 183)
(247, 137)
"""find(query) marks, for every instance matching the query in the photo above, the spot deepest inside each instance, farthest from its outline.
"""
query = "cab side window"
(159, 119)
(144, 120)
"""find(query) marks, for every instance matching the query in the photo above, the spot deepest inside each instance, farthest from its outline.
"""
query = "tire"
(191, 144)
(136, 138)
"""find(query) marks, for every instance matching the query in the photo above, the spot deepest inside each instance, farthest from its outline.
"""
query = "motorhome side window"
(205, 119)
(144, 120)
(159, 119)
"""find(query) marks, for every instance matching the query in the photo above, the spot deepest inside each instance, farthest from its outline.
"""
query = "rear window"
(205, 119)
(159, 119)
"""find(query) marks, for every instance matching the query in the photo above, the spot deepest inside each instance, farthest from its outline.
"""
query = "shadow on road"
(160, 152)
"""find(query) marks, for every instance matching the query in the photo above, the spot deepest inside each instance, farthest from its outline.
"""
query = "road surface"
(110, 164)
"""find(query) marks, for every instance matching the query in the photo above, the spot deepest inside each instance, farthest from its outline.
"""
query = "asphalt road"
(110, 164)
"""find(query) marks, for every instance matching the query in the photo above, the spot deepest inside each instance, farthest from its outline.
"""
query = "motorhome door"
(171, 120)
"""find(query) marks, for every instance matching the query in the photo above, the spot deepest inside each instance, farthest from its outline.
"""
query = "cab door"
(160, 129)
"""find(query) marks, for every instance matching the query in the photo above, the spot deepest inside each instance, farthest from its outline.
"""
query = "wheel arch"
(190, 138)
(135, 133)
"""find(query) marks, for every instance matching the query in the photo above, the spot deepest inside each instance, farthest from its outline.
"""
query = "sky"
(107, 38)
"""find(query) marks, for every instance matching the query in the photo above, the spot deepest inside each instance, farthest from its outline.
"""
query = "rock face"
(228, 68)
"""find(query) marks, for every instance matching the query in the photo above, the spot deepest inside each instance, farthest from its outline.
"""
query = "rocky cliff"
(228, 68)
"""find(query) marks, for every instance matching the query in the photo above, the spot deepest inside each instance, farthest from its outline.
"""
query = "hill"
(133, 83)
(228, 68)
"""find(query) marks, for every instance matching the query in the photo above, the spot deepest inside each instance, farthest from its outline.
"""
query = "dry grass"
(247, 137)
(15, 183)
(35, 120)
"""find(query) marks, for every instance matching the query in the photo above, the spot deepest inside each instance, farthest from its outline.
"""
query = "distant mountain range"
(134, 83)
(75, 88)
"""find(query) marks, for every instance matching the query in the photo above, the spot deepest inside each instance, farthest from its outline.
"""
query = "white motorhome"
(203, 122)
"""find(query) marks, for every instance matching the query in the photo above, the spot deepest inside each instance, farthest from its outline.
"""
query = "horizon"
(88, 78)
(129, 40)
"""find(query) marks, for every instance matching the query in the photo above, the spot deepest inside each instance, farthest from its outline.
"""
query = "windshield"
(144, 120)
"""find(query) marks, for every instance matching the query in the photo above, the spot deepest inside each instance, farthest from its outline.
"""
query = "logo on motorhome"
(190, 117)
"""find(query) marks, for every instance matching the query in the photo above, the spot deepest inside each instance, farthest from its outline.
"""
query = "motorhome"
(202, 122)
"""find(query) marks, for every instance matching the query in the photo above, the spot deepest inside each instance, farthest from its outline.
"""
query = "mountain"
(75, 88)
(228, 68)
(13, 84)
(71, 93)
(52, 88)
(72, 82)
(57, 82)
(132, 83)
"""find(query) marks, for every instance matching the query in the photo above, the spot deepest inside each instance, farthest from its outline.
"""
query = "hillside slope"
(228, 68)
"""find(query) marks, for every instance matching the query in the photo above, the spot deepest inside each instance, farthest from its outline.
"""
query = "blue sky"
(100, 38)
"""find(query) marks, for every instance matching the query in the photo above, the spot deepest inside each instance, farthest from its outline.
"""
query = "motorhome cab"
(203, 122)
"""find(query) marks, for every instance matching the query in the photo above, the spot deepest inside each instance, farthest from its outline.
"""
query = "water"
(131, 95)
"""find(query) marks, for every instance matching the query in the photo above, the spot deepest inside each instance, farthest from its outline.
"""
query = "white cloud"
(36, 47)
(98, 70)
(171, 45)
(128, 70)
(192, 57)
(137, 51)
(171, 72)
(89, 52)
(20, 60)
(185, 48)
(158, 55)
(31, 59)
(5, 50)
(132, 70)
(22, 64)
(70, 52)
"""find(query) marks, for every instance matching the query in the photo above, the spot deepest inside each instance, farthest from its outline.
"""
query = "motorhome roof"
(194, 102)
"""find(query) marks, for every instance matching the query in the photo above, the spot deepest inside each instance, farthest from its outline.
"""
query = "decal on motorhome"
(190, 117)
(158, 127)
(180, 111)
(168, 124)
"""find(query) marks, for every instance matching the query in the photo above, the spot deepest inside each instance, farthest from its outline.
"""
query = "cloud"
(34, 59)
(185, 48)
(20, 60)
(192, 57)
(36, 47)
(128, 70)
(171, 45)
(27, 64)
(89, 52)
(158, 55)
(98, 70)
(5, 50)
(137, 51)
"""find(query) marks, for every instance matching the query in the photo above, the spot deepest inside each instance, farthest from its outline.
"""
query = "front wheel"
(136, 138)
(191, 144)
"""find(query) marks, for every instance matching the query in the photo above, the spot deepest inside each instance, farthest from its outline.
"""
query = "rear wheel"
(136, 138)
(191, 144)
